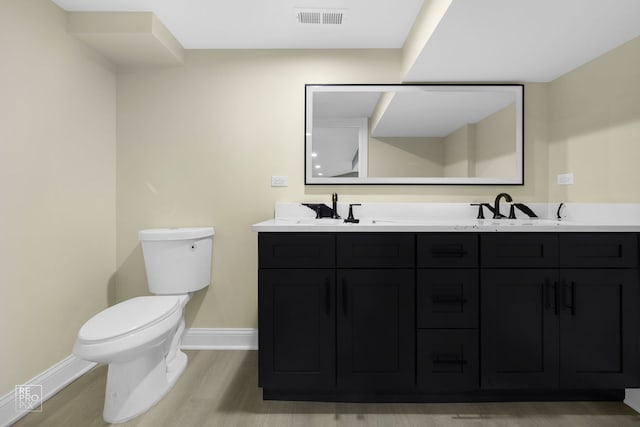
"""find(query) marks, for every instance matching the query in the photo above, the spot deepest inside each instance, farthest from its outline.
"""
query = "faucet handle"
(480, 210)
(512, 211)
(350, 217)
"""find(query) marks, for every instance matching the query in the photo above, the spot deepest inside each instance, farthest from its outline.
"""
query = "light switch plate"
(565, 178)
(279, 181)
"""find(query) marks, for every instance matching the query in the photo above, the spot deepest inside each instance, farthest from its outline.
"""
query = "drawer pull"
(448, 300)
(448, 359)
(443, 253)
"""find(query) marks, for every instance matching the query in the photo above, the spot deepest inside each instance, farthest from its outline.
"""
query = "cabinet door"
(599, 329)
(519, 329)
(297, 329)
(376, 329)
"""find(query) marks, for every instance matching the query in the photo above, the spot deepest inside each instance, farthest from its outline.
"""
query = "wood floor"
(219, 388)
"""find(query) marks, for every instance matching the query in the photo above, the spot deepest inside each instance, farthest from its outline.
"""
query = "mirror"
(414, 134)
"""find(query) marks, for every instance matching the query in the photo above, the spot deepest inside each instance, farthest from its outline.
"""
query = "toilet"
(140, 338)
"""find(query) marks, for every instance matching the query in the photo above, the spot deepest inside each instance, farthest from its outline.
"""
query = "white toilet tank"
(177, 260)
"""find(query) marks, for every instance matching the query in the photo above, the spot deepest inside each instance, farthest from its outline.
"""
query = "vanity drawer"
(519, 250)
(448, 360)
(447, 250)
(376, 250)
(447, 298)
(598, 250)
(296, 250)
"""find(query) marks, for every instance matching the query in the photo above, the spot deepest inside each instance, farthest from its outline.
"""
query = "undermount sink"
(456, 223)
(401, 223)
(310, 221)
(320, 221)
(529, 222)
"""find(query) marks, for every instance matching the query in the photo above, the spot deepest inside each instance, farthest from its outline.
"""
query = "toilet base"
(135, 386)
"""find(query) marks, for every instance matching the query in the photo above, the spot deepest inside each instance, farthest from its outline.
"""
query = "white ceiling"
(271, 24)
(523, 40)
(477, 40)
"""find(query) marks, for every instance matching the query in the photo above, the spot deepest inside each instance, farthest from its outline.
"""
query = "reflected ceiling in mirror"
(414, 134)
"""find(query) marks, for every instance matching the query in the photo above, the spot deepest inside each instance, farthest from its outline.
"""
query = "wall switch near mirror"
(279, 181)
(565, 179)
(414, 134)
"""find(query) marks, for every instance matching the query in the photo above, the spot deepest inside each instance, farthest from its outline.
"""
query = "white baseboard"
(220, 339)
(632, 398)
(52, 381)
(65, 372)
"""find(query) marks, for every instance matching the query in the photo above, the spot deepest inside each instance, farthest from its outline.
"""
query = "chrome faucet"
(496, 205)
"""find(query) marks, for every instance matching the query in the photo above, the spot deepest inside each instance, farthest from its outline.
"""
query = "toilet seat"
(129, 317)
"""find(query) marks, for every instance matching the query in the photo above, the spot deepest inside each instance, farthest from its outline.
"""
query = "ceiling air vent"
(320, 16)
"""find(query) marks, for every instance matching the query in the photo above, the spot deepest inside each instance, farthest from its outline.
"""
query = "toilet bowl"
(140, 338)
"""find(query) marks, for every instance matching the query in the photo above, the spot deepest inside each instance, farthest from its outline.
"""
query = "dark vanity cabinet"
(447, 316)
(570, 322)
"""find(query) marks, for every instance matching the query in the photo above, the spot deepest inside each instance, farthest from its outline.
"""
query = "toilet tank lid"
(181, 233)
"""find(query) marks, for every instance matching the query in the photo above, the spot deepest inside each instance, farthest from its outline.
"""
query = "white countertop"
(541, 225)
(458, 217)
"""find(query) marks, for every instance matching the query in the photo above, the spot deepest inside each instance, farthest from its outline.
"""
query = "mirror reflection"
(414, 134)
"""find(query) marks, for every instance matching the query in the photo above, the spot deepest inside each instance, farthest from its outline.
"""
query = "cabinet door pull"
(570, 301)
(551, 296)
(344, 297)
(327, 296)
